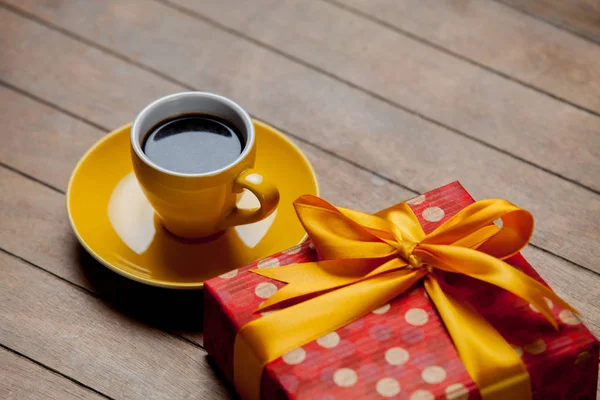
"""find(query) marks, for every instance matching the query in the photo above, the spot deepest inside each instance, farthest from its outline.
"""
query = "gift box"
(402, 350)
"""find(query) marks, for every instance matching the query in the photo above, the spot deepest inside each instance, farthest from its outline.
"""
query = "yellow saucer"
(114, 222)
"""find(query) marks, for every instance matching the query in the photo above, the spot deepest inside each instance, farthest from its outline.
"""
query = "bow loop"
(344, 234)
(473, 227)
(355, 246)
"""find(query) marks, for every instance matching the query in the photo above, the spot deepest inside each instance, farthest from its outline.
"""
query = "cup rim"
(137, 148)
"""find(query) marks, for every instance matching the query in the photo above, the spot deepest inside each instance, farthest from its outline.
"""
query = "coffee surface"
(193, 143)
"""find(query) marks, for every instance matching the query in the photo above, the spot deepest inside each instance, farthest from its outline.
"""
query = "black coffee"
(193, 143)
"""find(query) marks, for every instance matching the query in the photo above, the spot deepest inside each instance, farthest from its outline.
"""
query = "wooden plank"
(66, 328)
(579, 16)
(23, 379)
(507, 41)
(455, 93)
(70, 331)
(343, 120)
(50, 242)
(41, 128)
(46, 144)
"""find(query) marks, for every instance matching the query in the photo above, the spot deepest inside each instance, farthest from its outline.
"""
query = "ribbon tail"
(484, 267)
(265, 339)
(492, 363)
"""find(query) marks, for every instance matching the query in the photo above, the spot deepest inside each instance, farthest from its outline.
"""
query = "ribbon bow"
(367, 260)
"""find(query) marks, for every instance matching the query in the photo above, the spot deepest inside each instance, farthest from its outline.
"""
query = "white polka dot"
(416, 200)
(382, 310)
(268, 263)
(548, 303)
(433, 214)
(434, 374)
(538, 346)
(293, 250)
(422, 395)
(533, 308)
(264, 290)
(568, 317)
(295, 356)
(396, 356)
(345, 377)
(387, 387)
(311, 245)
(265, 313)
(416, 316)
(255, 178)
(518, 350)
(457, 391)
(229, 275)
(328, 341)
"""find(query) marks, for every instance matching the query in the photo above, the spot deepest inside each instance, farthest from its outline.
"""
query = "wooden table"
(387, 98)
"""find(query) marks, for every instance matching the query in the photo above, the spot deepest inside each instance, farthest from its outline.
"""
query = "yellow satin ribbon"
(368, 260)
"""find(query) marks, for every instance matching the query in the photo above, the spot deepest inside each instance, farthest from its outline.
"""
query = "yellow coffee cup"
(200, 205)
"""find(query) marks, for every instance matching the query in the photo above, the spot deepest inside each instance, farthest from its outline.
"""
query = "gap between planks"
(300, 139)
(242, 35)
(563, 27)
(297, 60)
(315, 75)
(89, 292)
(52, 370)
(80, 328)
(449, 52)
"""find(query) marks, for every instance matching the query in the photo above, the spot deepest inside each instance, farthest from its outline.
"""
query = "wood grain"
(67, 329)
(502, 39)
(64, 310)
(458, 94)
(41, 127)
(343, 120)
(50, 243)
(23, 380)
(579, 16)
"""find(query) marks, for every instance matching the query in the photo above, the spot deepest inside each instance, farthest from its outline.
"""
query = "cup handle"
(266, 193)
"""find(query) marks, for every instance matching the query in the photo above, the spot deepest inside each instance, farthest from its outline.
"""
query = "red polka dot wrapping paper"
(402, 350)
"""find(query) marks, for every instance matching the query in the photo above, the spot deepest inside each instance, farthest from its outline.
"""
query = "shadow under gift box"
(402, 349)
